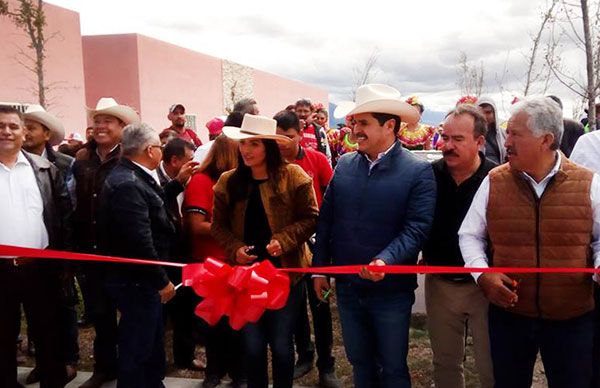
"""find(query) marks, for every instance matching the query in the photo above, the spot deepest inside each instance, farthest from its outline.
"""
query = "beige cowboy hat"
(38, 114)
(378, 98)
(109, 106)
(255, 127)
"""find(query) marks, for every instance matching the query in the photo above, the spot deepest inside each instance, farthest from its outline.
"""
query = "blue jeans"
(275, 329)
(375, 325)
(565, 346)
(141, 361)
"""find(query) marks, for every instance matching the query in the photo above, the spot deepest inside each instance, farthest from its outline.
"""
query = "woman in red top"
(198, 202)
(223, 344)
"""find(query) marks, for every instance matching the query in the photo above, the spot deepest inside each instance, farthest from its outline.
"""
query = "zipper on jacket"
(538, 202)
(537, 254)
(538, 276)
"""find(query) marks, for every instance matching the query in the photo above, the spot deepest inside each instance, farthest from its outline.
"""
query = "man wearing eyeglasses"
(136, 222)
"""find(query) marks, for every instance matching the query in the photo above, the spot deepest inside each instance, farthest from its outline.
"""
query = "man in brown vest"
(538, 210)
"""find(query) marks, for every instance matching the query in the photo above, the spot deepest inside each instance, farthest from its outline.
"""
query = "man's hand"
(322, 287)
(495, 287)
(274, 248)
(370, 275)
(186, 172)
(242, 257)
(167, 293)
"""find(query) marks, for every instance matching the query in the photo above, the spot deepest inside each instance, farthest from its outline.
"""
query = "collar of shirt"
(301, 153)
(152, 173)
(44, 153)
(479, 174)
(109, 152)
(541, 186)
(373, 163)
(161, 166)
(21, 159)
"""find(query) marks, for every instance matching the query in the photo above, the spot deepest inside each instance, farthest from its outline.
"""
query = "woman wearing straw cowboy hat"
(92, 164)
(266, 209)
(378, 210)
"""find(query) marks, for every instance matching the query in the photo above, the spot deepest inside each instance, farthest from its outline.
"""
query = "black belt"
(17, 261)
(457, 278)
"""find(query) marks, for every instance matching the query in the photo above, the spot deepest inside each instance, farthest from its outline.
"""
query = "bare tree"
(30, 18)
(365, 73)
(580, 29)
(470, 76)
(536, 72)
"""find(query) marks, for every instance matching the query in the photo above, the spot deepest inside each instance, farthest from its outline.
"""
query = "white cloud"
(320, 42)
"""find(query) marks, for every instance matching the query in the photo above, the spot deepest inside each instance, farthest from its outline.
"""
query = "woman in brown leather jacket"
(266, 209)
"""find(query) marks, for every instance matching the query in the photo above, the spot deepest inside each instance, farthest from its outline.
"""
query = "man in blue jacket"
(377, 211)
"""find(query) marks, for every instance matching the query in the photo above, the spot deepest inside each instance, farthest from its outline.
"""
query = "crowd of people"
(293, 191)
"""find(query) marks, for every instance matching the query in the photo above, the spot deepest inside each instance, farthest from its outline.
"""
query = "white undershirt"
(152, 173)
(21, 207)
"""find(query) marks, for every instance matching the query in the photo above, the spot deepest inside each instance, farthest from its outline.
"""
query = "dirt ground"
(419, 358)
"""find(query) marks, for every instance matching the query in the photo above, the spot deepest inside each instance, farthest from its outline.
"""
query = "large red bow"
(243, 293)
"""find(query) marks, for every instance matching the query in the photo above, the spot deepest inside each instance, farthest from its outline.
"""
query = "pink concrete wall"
(169, 74)
(274, 93)
(110, 64)
(63, 68)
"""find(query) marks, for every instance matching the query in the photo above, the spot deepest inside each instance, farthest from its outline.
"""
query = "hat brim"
(56, 128)
(235, 133)
(122, 112)
(407, 112)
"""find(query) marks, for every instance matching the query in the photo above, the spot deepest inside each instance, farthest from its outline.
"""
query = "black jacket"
(572, 131)
(134, 222)
(57, 204)
(452, 204)
(61, 161)
(89, 173)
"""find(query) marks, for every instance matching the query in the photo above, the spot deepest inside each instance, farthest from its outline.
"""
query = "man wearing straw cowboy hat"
(377, 211)
(43, 131)
(35, 209)
(92, 165)
(538, 210)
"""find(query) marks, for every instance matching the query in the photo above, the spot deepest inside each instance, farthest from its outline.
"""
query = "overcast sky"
(322, 42)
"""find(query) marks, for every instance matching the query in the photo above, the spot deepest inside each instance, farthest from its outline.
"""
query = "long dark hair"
(238, 185)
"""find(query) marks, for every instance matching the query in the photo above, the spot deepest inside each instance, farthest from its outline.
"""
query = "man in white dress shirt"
(587, 153)
(35, 211)
(538, 210)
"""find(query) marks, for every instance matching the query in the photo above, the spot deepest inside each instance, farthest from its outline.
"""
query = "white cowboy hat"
(109, 106)
(255, 127)
(38, 114)
(377, 98)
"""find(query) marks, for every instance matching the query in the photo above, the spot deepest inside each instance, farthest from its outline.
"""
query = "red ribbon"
(243, 293)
